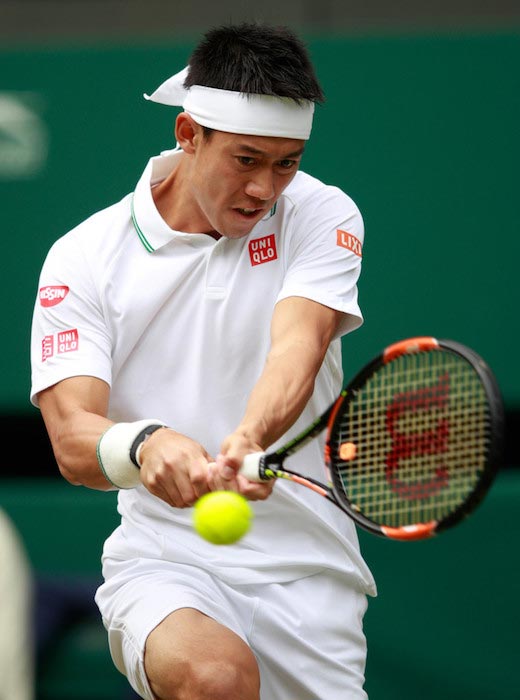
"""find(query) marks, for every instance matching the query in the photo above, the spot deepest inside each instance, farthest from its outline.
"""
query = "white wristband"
(116, 451)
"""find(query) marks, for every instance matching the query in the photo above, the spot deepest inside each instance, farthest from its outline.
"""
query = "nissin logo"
(349, 241)
(50, 296)
(263, 250)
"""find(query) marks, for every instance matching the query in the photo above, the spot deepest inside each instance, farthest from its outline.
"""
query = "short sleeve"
(324, 254)
(69, 336)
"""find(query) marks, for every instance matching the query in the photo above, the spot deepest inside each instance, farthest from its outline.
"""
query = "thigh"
(191, 655)
(140, 594)
(309, 641)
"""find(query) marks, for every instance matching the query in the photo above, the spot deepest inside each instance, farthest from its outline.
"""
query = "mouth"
(249, 213)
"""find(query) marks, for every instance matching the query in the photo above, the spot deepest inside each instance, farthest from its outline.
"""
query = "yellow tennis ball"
(222, 517)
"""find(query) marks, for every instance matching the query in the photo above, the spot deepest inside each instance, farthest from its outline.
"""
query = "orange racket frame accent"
(410, 345)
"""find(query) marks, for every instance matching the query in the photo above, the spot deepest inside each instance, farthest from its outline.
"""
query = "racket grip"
(252, 467)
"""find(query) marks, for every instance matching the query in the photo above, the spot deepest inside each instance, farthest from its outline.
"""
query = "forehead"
(267, 146)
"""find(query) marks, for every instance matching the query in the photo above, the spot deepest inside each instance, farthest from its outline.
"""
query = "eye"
(246, 160)
(287, 164)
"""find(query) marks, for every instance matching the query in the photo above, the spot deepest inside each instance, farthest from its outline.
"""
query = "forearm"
(170, 465)
(281, 393)
(301, 332)
(74, 442)
(74, 412)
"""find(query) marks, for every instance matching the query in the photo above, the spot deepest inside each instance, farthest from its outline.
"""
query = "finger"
(198, 476)
(226, 469)
(169, 495)
(171, 485)
(217, 483)
(255, 491)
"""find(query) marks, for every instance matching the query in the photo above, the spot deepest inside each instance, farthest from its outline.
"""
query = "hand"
(223, 474)
(174, 468)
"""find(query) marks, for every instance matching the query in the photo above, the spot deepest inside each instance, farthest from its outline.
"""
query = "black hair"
(255, 58)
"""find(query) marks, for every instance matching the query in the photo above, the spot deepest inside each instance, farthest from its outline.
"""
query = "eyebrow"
(259, 152)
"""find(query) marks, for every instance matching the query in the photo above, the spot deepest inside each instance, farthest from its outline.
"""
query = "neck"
(176, 205)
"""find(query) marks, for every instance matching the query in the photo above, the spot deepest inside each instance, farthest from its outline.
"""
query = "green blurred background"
(421, 128)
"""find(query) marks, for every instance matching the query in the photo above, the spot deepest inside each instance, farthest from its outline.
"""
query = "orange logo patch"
(348, 240)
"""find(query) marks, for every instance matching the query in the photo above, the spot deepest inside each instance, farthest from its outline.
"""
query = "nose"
(261, 185)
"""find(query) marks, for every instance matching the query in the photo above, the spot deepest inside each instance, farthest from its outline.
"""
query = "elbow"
(80, 470)
(69, 475)
(66, 471)
(65, 462)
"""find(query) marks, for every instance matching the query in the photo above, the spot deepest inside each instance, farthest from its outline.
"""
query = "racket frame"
(262, 466)
(424, 530)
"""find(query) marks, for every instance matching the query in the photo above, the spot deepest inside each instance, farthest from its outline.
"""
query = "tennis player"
(196, 320)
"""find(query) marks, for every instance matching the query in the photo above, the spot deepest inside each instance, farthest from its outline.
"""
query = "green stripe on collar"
(148, 246)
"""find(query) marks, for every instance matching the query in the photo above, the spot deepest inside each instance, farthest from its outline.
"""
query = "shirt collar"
(151, 228)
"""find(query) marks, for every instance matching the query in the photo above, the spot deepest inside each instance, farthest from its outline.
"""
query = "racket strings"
(420, 452)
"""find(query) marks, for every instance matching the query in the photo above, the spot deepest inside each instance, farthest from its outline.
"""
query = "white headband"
(237, 112)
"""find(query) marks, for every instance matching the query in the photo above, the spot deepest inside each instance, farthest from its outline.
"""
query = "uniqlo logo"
(50, 296)
(263, 250)
(47, 347)
(67, 341)
(347, 240)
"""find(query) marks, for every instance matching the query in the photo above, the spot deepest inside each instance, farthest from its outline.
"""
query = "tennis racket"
(413, 442)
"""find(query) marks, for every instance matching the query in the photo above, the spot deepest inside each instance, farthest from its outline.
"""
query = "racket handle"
(252, 467)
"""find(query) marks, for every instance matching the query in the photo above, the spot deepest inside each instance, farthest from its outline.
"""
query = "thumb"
(226, 471)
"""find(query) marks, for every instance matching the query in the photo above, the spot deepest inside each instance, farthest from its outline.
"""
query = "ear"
(187, 132)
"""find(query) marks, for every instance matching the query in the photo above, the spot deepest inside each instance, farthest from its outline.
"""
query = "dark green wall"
(421, 130)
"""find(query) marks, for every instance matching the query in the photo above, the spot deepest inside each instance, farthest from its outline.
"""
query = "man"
(198, 320)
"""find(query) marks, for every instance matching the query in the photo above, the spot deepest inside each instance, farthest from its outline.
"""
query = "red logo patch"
(50, 296)
(263, 250)
(68, 341)
(47, 347)
(348, 240)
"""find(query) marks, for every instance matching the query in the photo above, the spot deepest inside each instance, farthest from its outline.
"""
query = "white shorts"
(307, 635)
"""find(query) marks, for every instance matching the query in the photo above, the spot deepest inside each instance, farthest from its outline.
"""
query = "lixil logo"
(348, 240)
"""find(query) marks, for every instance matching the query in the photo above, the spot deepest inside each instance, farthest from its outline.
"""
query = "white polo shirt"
(178, 324)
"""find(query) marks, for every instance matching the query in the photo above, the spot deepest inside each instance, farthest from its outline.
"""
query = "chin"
(236, 234)
(240, 231)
